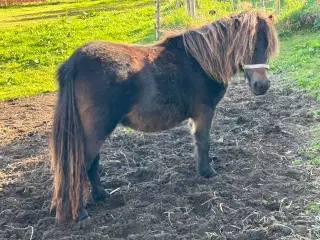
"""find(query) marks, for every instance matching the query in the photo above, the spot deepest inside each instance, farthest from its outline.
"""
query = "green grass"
(313, 152)
(299, 59)
(35, 39)
(313, 208)
(299, 55)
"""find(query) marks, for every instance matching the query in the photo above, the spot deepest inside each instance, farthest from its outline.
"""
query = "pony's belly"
(153, 121)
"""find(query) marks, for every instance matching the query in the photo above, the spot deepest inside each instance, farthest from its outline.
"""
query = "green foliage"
(297, 162)
(316, 24)
(34, 40)
(299, 15)
(313, 208)
(289, 7)
(128, 131)
(316, 113)
(299, 59)
(314, 153)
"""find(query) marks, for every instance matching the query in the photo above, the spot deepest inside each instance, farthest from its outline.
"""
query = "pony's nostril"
(262, 84)
(256, 85)
(260, 87)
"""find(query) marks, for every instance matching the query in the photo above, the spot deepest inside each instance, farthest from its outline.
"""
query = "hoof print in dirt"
(116, 200)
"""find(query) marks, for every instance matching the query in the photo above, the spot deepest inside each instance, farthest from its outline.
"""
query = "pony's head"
(245, 41)
(265, 44)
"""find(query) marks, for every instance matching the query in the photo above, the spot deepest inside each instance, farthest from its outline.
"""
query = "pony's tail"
(67, 148)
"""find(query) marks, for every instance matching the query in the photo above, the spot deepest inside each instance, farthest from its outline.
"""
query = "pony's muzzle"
(258, 80)
(260, 87)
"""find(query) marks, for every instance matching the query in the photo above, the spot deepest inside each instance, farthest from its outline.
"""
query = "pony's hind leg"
(94, 138)
(201, 133)
(82, 213)
(98, 193)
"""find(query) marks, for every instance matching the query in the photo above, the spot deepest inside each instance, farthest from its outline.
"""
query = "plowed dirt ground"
(261, 192)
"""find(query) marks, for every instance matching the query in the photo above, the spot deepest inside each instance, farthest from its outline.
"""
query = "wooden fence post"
(157, 19)
(191, 7)
(278, 7)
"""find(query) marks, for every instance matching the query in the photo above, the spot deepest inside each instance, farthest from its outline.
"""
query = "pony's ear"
(237, 23)
(270, 19)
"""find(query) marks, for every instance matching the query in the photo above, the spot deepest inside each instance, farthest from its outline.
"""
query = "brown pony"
(149, 88)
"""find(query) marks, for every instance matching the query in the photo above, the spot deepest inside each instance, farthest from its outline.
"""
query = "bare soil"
(260, 193)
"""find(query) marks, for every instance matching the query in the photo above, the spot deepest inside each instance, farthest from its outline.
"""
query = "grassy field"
(300, 60)
(35, 39)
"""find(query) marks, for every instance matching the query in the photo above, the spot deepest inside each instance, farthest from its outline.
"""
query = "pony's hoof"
(82, 215)
(101, 195)
(208, 172)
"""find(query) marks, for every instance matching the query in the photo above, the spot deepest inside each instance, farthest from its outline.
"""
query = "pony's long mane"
(221, 47)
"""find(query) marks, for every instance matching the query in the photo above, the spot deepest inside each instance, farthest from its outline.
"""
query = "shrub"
(308, 16)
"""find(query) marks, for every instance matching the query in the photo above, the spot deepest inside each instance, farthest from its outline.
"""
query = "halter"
(255, 66)
(252, 66)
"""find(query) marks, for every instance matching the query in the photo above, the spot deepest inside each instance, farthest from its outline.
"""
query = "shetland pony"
(149, 88)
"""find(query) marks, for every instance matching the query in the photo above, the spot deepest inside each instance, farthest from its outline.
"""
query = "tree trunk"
(197, 4)
(178, 3)
(261, 3)
(157, 19)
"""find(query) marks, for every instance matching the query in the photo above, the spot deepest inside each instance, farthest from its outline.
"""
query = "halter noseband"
(255, 66)
(252, 66)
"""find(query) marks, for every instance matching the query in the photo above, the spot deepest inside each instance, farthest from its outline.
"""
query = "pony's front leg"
(201, 133)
